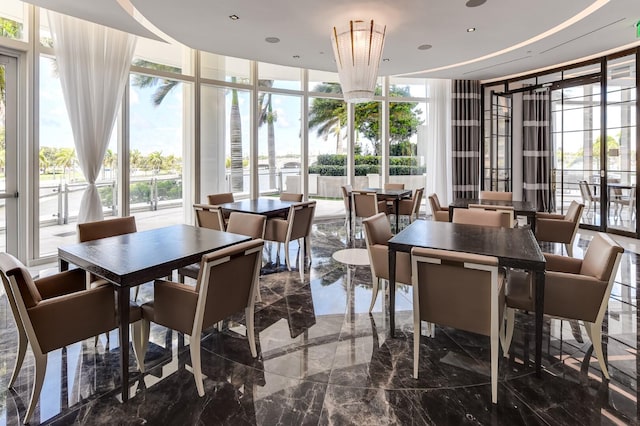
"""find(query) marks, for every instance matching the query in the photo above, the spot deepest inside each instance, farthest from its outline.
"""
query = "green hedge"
(334, 165)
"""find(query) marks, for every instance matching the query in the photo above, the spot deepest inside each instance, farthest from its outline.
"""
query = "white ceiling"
(304, 28)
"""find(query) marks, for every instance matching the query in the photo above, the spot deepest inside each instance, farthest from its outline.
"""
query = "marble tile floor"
(323, 360)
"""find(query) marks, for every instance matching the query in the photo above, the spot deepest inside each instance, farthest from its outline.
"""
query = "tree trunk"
(235, 131)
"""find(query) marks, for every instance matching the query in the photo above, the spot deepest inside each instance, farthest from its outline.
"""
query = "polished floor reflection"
(322, 359)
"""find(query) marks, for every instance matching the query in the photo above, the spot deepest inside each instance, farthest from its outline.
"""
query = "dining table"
(514, 248)
(520, 208)
(129, 260)
(270, 207)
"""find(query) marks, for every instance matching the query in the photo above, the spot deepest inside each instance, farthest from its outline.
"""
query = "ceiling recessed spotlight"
(272, 40)
(424, 47)
(296, 56)
(470, 30)
(385, 59)
(475, 3)
(234, 17)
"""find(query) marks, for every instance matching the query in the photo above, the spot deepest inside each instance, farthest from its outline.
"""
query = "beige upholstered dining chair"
(498, 219)
(290, 196)
(209, 216)
(588, 198)
(628, 201)
(221, 198)
(251, 225)
(394, 186)
(440, 214)
(365, 204)
(496, 195)
(346, 199)
(54, 312)
(509, 210)
(228, 283)
(459, 290)
(377, 230)
(410, 206)
(557, 228)
(297, 226)
(576, 289)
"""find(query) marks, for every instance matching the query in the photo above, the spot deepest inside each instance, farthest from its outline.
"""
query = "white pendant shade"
(358, 49)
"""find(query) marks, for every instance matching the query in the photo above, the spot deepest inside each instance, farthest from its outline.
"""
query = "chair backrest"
(221, 198)
(496, 195)
(456, 289)
(498, 219)
(346, 196)
(365, 203)
(394, 186)
(300, 220)
(600, 257)
(249, 224)
(290, 196)
(377, 229)
(209, 216)
(90, 231)
(508, 210)
(417, 201)
(227, 283)
(585, 191)
(434, 203)
(574, 212)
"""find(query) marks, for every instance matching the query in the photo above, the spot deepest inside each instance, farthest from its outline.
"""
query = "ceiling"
(501, 44)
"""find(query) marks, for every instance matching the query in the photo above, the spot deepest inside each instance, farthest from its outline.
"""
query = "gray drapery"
(466, 111)
(537, 151)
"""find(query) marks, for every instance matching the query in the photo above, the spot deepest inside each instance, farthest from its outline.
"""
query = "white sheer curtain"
(93, 63)
(439, 179)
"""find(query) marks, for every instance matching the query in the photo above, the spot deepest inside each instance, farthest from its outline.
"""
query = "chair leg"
(180, 278)
(286, 255)
(194, 348)
(307, 248)
(138, 344)
(595, 334)
(38, 381)
(145, 328)
(569, 248)
(374, 293)
(22, 350)
(248, 312)
(135, 293)
(510, 314)
(494, 367)
(416, 344)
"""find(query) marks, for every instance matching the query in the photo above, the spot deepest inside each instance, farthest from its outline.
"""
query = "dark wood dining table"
(514, 248)
(520, 208)
(269, 207)
(132, 259)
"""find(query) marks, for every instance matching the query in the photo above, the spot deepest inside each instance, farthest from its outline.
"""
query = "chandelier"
(358, 48)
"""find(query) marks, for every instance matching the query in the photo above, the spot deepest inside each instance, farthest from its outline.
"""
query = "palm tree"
(328, 116)
(267, 115)
(109, 161)
(135, 159)
(154, 161)
(165, 85)
(66, 158)
(235, 135)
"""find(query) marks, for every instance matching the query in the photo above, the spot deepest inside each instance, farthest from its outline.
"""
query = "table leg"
(63, 265)
(450, 214)
(396, 205)
(392, 291)
(539, 303)
(123, 309)
(350, 220)
(531, 220)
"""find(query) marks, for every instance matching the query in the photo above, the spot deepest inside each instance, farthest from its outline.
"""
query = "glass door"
(498, 146)
(620, 149)
(576, 134)
(8, 155)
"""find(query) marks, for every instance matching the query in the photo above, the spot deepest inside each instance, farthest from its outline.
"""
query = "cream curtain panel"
(93, 63)
(439, 141)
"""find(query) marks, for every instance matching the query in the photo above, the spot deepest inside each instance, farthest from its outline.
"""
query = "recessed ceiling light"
(385, 59)
(234, 17)
(475, 3)
(470, 30)
(424, 47)
(272, 40)
(296, 56)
